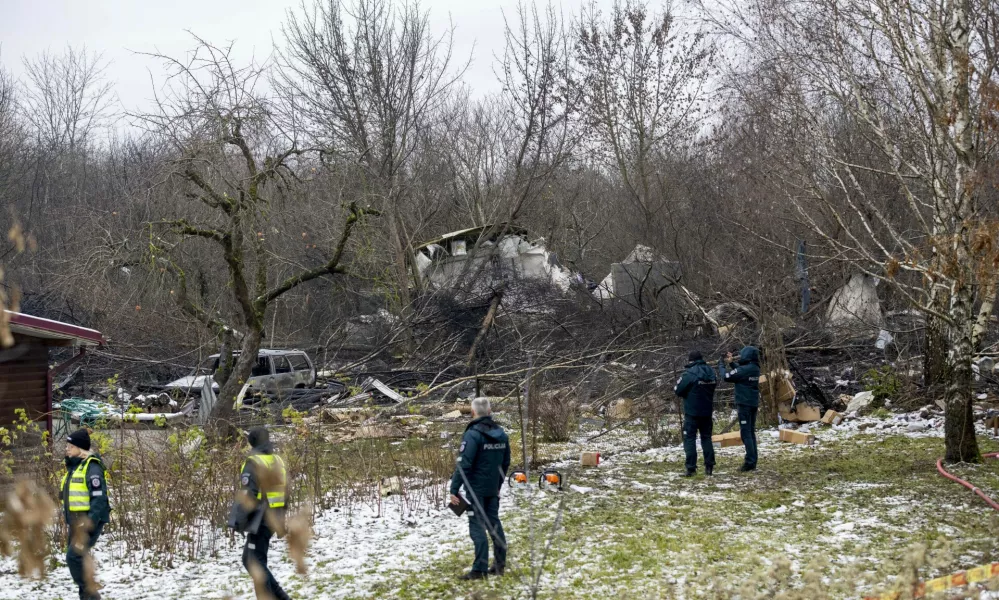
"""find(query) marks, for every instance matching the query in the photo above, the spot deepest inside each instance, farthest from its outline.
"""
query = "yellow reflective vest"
(274, 465)
(79, 492)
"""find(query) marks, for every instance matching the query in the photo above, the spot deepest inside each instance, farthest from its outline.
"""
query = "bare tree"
(371, 81)
(12, 137)
(232, 169)
(538, 102)
(645, 80)
(880, 93)
(67, 97)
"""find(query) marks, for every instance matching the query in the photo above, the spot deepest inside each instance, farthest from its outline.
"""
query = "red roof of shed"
(53, 330)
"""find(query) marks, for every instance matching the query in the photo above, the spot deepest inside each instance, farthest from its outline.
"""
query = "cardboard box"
(832, 418)
(783, 387)
(796, 437)
(622, 408)
(993, 422)
(589, 459)
(801, 413)
(724, 440)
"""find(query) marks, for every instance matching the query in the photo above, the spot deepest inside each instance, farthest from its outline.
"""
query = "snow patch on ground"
(351, 554)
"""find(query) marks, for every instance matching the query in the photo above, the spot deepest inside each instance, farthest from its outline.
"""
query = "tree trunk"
(984, 313)
(223, 423)
(226, 362)
(935, 364)
(959, 427)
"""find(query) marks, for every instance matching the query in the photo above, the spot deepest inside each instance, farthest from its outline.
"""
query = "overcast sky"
(120, 28)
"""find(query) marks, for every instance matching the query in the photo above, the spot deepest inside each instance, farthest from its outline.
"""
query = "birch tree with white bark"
(876, 94)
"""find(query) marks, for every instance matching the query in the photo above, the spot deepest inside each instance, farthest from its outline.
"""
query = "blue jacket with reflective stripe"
(746, 377)
(697, 388)
(484, 459)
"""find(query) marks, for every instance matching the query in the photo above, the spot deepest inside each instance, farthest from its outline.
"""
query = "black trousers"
(747, 429)
(480, 534)
(255, 550)
(692, 426)
(74, 559)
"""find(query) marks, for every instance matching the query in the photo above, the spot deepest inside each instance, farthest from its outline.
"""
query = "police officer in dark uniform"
(84, 494)
(482, 467)
(746, 376)
(259, 508)
(697, 388)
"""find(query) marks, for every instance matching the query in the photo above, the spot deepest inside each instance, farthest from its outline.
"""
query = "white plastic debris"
(860, 401)
(884, 339)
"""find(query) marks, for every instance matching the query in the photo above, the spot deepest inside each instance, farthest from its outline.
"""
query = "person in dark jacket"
(481, 470)
(259, 508)
(746, 376)
(697, 388)
(84, 494)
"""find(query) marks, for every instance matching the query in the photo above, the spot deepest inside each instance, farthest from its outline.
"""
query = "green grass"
(669, 535)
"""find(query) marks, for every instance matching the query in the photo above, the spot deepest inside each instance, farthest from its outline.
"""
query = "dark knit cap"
(695, 356)
(80, 438)
(258, 436)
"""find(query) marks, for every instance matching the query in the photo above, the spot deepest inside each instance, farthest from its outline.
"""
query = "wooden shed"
(25, 375)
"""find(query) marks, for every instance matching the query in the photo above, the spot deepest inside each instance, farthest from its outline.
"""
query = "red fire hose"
(977, 491)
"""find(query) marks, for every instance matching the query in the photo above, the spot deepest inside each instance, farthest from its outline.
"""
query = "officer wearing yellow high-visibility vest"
(258, 510)
(84, 495)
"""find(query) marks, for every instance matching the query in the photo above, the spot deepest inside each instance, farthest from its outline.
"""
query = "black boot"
(708, 471)
(746, 468)
(494, 570)
(690, 473)
(473, 575)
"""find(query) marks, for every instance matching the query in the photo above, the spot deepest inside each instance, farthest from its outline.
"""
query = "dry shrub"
(172, 496)
(661, 422)
(28, 513)
(558, 414)
(171, 492)
(299, 538)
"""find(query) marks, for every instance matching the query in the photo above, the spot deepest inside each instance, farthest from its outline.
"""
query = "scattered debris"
(832, 418)
(643, 274)
(729, 316)
(800, 412)
(357, 398)
(344, 415)
(589, 459)
(796, 437)
(447, 261)
(860, 402)
(884, 340)
(724, 440)
(372, 383)
(378, 431)
(777, 384)
(390, 486)
(621, 409)
(992, 421)
(155, 403)
(856, 306)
